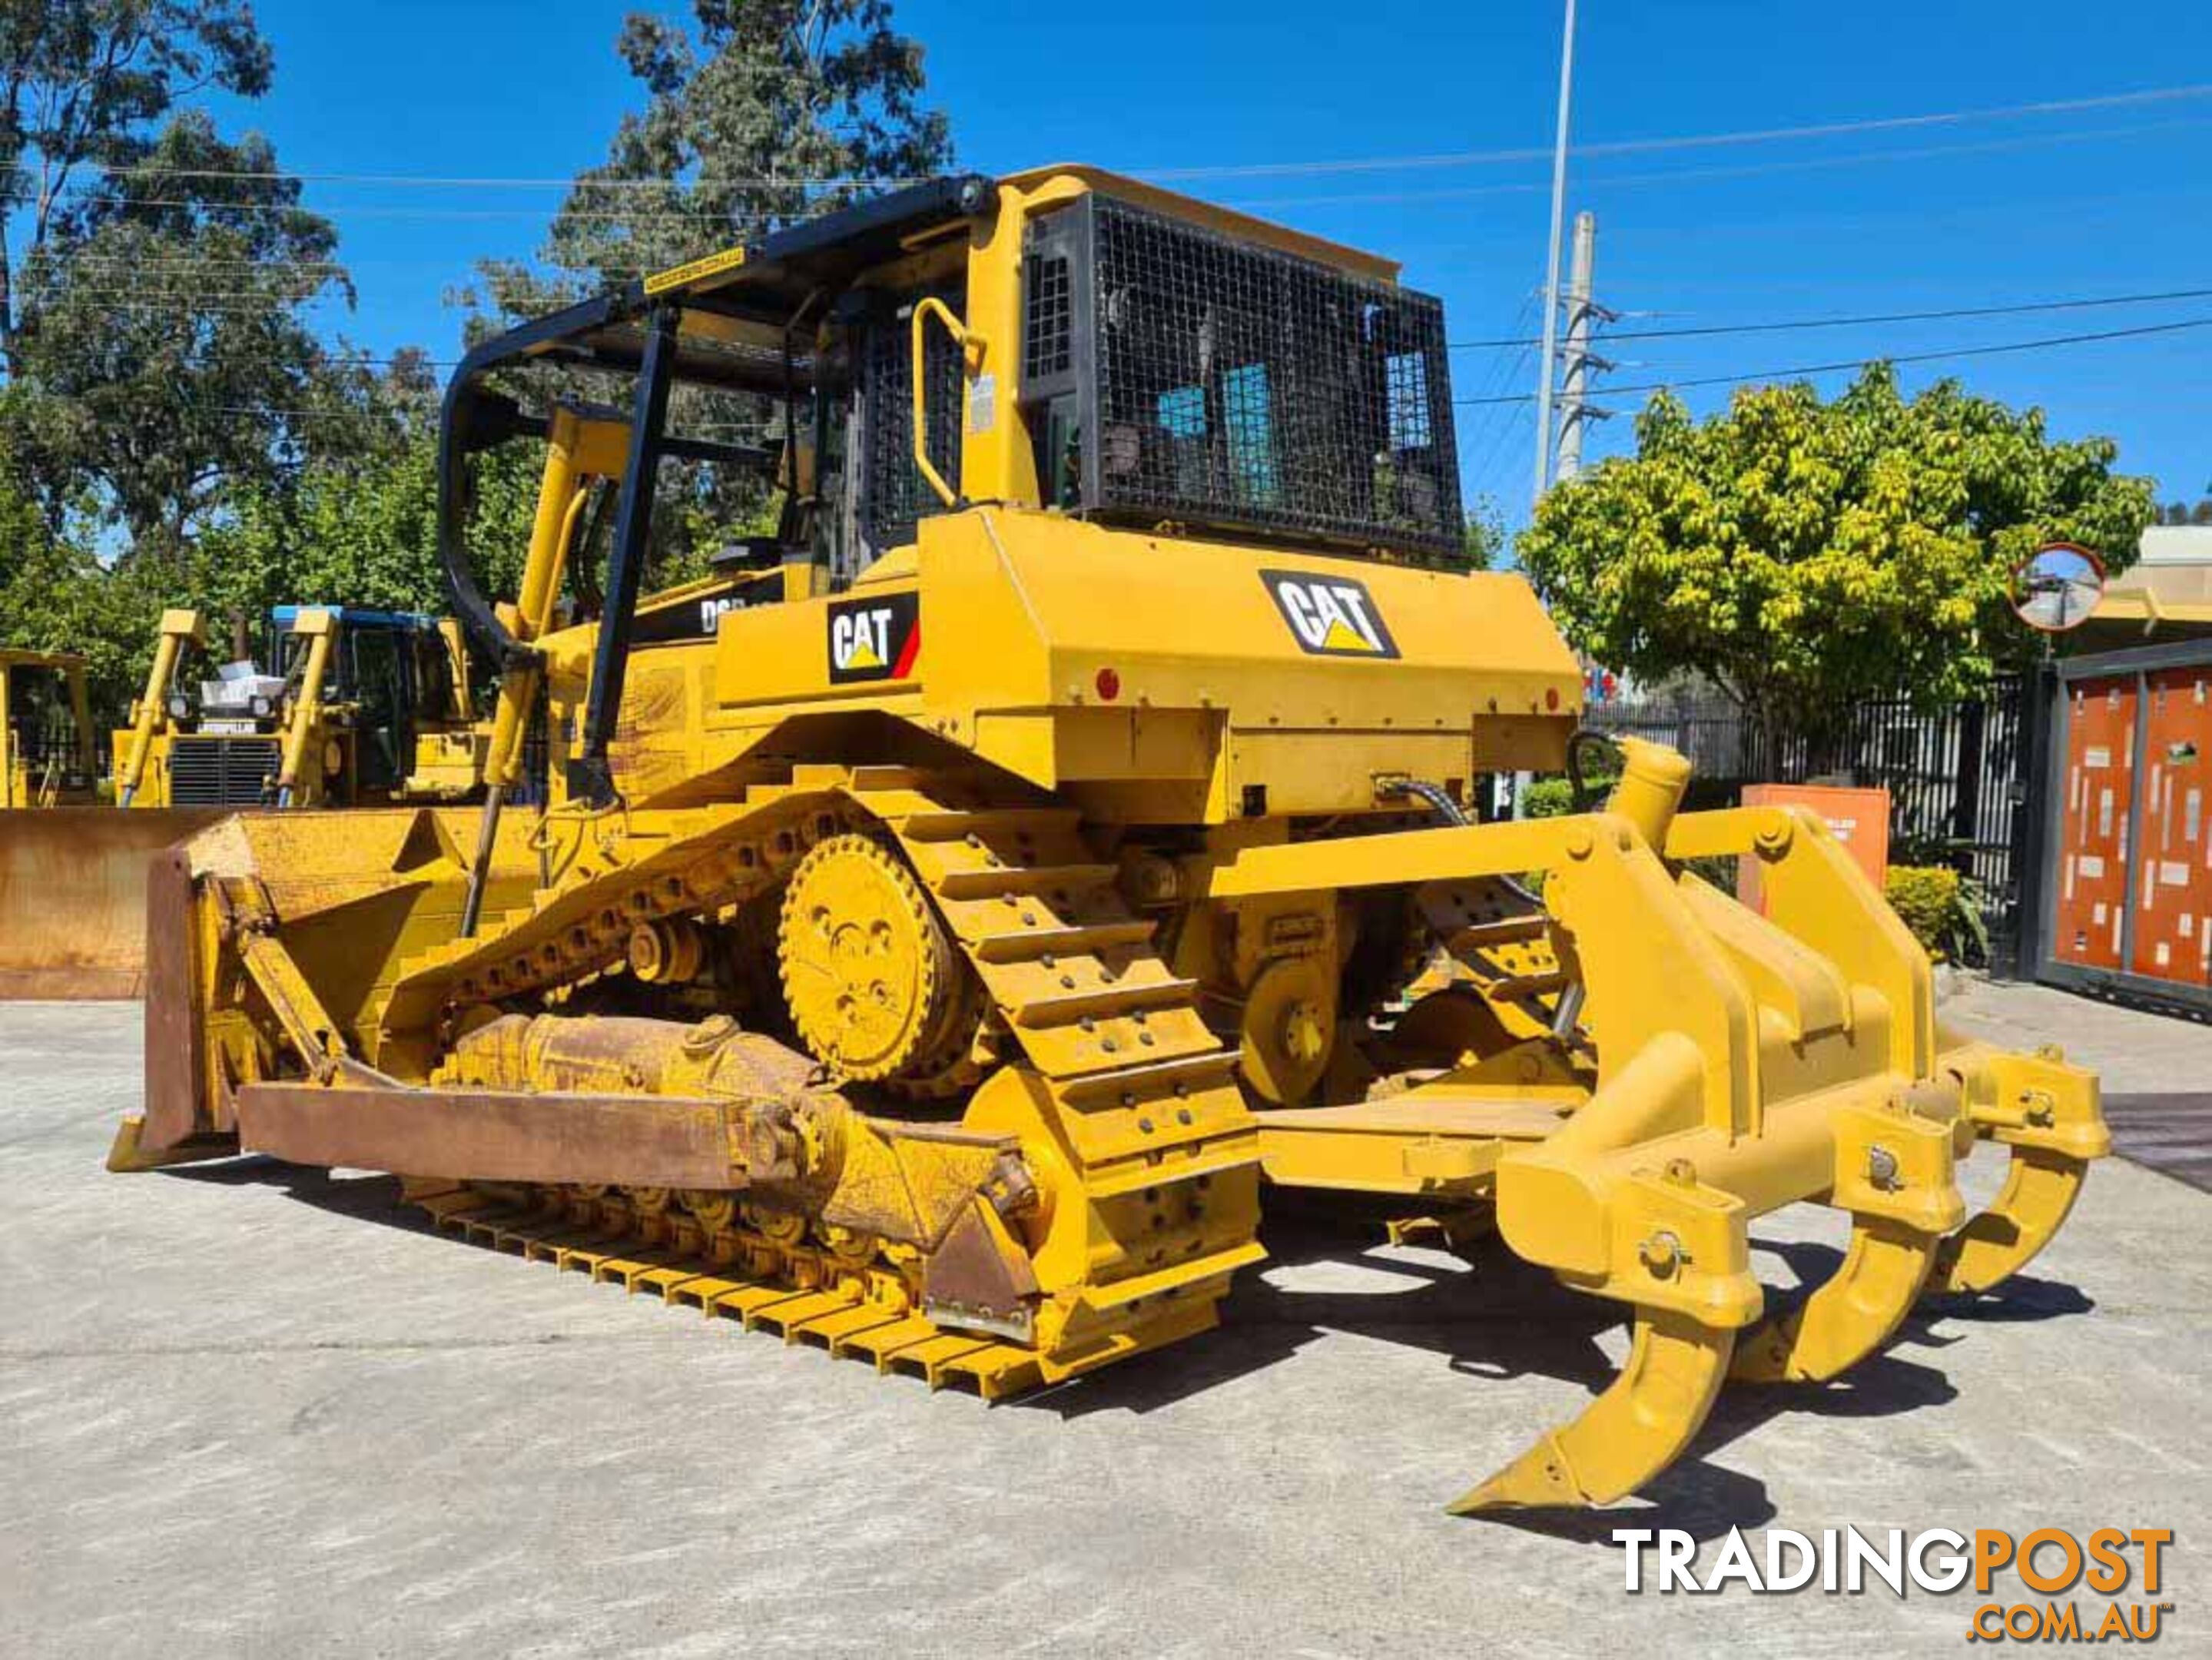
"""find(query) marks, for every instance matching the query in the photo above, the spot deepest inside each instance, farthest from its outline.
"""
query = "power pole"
(1550, 362)
(1575, 409)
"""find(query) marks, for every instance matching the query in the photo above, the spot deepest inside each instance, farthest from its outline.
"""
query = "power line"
(379, 211)
(1705, 141)
(1945, 313)
(1880, 357)
(1749, 170)
(1488, 432)
(610, 218)
(1253, 170)
(135, 300)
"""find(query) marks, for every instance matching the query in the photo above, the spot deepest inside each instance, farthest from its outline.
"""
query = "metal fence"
(1955, 776)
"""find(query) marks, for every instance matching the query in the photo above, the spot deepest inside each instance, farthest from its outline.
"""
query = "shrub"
(1548, 798)
(1942, 908)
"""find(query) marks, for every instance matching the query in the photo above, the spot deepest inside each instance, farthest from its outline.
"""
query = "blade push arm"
(178, 629)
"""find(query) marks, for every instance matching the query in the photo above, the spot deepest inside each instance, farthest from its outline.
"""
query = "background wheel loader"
(950, 922)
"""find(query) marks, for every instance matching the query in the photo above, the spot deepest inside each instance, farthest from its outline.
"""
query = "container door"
(2174, 857)
(2098, 784)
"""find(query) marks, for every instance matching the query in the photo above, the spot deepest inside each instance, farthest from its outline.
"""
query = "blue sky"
(1991, 211)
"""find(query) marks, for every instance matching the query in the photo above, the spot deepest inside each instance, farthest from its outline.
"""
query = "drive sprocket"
(876, 988)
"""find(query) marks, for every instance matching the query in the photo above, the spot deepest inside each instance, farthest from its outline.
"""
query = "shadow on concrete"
(2021, 1300)
(1704, 1500)
(1496, 1317)
(360, 1194)
(1491, 1315)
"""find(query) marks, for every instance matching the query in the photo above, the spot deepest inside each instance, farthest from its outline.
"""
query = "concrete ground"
(2157, 1088)
(250, 1410)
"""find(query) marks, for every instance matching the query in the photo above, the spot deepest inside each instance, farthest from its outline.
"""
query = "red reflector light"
(1108, 685)
(1551, 698)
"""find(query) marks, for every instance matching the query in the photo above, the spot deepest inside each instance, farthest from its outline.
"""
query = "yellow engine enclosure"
(1029, 620)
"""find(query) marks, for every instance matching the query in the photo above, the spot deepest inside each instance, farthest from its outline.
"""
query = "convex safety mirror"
(2058, 588)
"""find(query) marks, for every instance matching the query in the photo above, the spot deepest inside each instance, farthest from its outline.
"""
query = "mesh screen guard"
(1174, 373)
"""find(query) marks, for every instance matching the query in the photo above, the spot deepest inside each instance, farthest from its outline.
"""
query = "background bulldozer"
(72, 873)
(45, 724)
(358, 706)
(361, 706)
(953, 918)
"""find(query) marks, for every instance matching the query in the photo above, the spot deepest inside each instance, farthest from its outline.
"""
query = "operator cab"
(391, 676)
(1065, 340)
(45, 749)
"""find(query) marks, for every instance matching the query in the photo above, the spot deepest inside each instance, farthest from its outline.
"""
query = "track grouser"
(933, 932)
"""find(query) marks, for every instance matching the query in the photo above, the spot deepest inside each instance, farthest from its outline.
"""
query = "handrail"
(971, 353)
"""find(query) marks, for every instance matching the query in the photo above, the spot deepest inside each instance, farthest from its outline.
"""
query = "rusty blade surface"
(73, 897)
(176, 1077)
(494, 1135)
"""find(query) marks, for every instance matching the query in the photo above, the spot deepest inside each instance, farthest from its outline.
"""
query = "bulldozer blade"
(1637, 1427)
(128, 1156)
(1848, 1318)
(73, 898)
(2038, 1191)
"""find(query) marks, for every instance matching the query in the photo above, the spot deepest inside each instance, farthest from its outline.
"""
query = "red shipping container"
(2173, 859)
(2098, 788)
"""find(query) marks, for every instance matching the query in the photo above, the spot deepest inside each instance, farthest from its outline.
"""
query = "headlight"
(262, 710)
(179, 707)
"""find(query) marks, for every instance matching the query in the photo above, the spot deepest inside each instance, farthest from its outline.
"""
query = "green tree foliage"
(1484, 541)
(1803, 556)
(55, 597)
(757, 113)
(163, 336)
(153, 318)
(363, 531)
(1942, 909)
(85, 81)
(349, 530)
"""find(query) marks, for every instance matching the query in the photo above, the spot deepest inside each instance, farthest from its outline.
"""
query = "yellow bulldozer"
(45, 723)
(954, 918)
(364, 706)
(72, 873)
(361, 706)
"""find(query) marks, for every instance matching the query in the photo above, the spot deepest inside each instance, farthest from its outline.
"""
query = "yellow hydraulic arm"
(320, 628)
(179, 629)
(456, 660)
(578, 452)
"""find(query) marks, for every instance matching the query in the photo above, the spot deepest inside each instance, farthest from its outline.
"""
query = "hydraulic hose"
(1567, 1013)
(1585, 799)
(1439, 799)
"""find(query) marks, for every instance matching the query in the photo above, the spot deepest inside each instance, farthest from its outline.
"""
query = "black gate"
(1955, 775)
